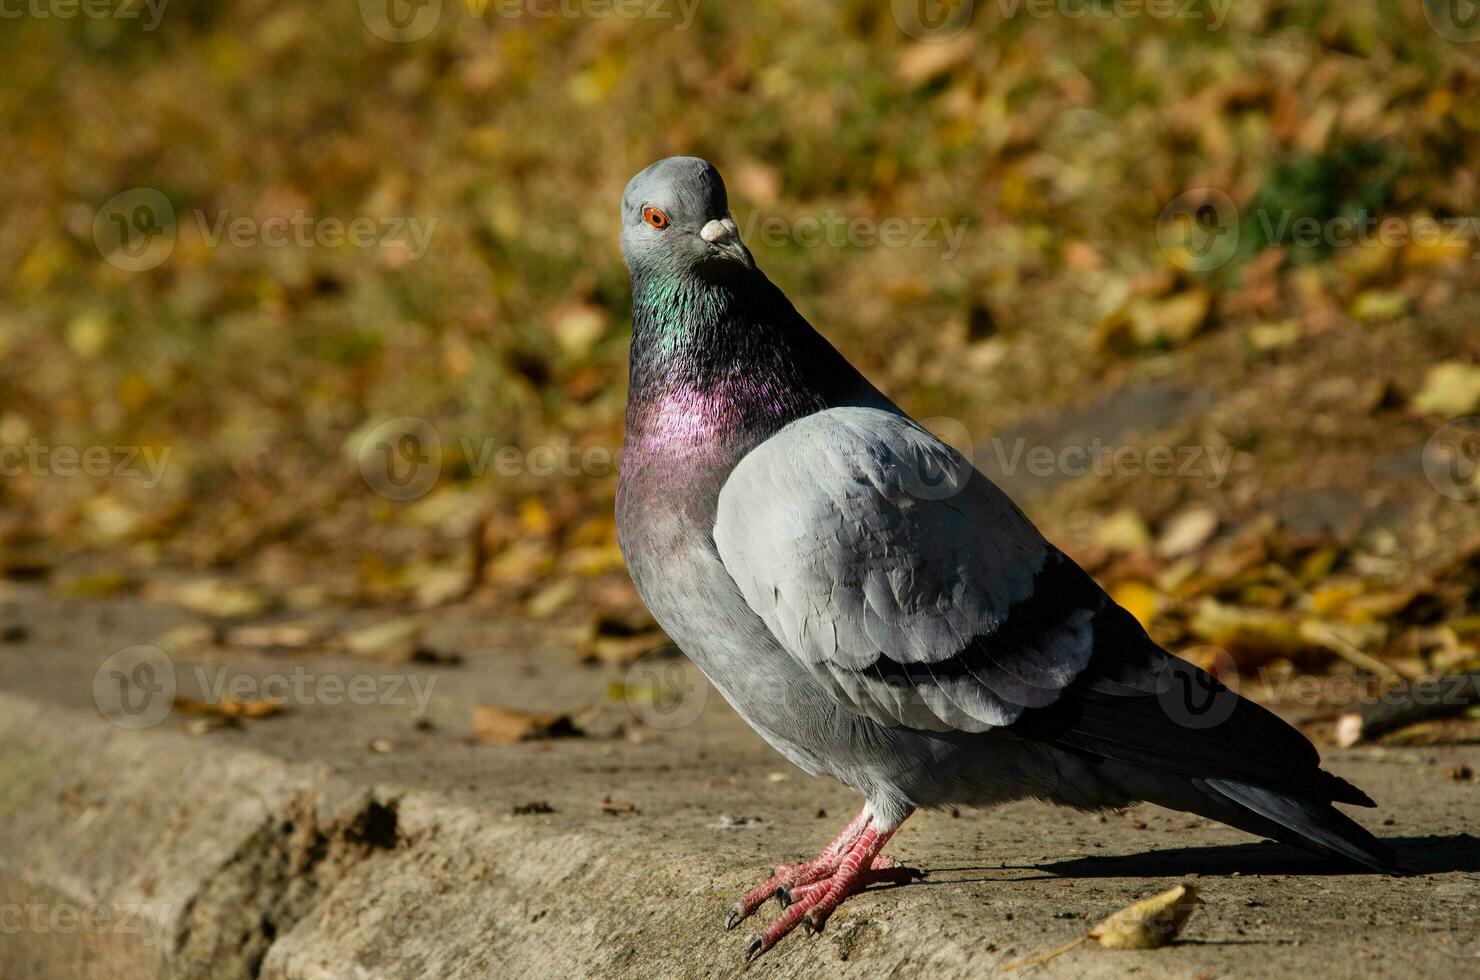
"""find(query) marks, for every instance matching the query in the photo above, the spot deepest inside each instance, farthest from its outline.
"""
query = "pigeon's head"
(676, 219)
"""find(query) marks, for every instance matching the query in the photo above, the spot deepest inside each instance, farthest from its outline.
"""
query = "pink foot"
(810, 892)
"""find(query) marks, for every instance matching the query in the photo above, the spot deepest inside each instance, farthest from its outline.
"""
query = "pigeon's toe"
(817, 888)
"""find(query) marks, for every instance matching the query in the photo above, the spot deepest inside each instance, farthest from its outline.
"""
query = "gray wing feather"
(876, 555)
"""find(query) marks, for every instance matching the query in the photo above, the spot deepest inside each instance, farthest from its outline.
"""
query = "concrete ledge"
(289, 849)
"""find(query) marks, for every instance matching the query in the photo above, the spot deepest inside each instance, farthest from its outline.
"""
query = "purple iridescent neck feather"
(718, 365)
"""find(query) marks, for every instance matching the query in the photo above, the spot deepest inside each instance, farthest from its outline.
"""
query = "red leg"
(809, 902)
(788, 875)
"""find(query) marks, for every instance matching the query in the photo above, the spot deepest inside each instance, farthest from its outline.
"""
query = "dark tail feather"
(1313, 826)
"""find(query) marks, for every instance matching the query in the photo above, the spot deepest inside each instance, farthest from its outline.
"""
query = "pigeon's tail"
(1317, 827)
(1306, 823)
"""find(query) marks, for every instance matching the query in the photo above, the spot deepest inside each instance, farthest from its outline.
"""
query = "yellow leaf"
(1149, 923)
(1139, 599)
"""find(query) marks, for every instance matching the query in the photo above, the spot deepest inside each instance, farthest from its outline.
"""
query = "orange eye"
(654, 217)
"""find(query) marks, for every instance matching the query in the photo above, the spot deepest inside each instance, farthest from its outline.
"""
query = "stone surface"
(354, 840)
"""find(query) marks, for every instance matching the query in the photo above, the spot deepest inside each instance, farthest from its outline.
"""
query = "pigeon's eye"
(654, 217)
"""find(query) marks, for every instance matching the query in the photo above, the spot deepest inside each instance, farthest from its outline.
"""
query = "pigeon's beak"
(724, 238)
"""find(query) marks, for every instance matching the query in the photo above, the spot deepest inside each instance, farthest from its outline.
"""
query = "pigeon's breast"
(665, 528)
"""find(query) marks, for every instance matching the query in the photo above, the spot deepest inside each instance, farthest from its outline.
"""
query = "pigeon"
(879, 611)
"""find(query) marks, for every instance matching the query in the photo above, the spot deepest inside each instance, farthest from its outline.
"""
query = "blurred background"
(320, 306)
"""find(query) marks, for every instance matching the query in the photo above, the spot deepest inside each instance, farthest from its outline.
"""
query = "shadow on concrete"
(1422, 855)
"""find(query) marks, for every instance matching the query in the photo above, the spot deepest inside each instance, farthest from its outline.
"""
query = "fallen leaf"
(1273, 336)
(607, 806)
(1139, 599)
(1374, 305)
(395, 642)
(218, 597)
(1123, 531)
(548, 600)
(577, 326)
(1149, 923)
(1450, 390)
(227, 708)
(97, 586)
(619, 641)
(509, 726)
(188, 638)
(1186, 532)
(291, 636)
(924, 60)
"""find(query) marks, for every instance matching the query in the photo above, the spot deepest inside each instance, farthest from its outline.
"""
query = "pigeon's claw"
(809, 902)
(786, 876)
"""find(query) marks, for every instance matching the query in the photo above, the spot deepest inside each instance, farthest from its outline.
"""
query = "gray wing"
(902, 579)
(920, 596)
